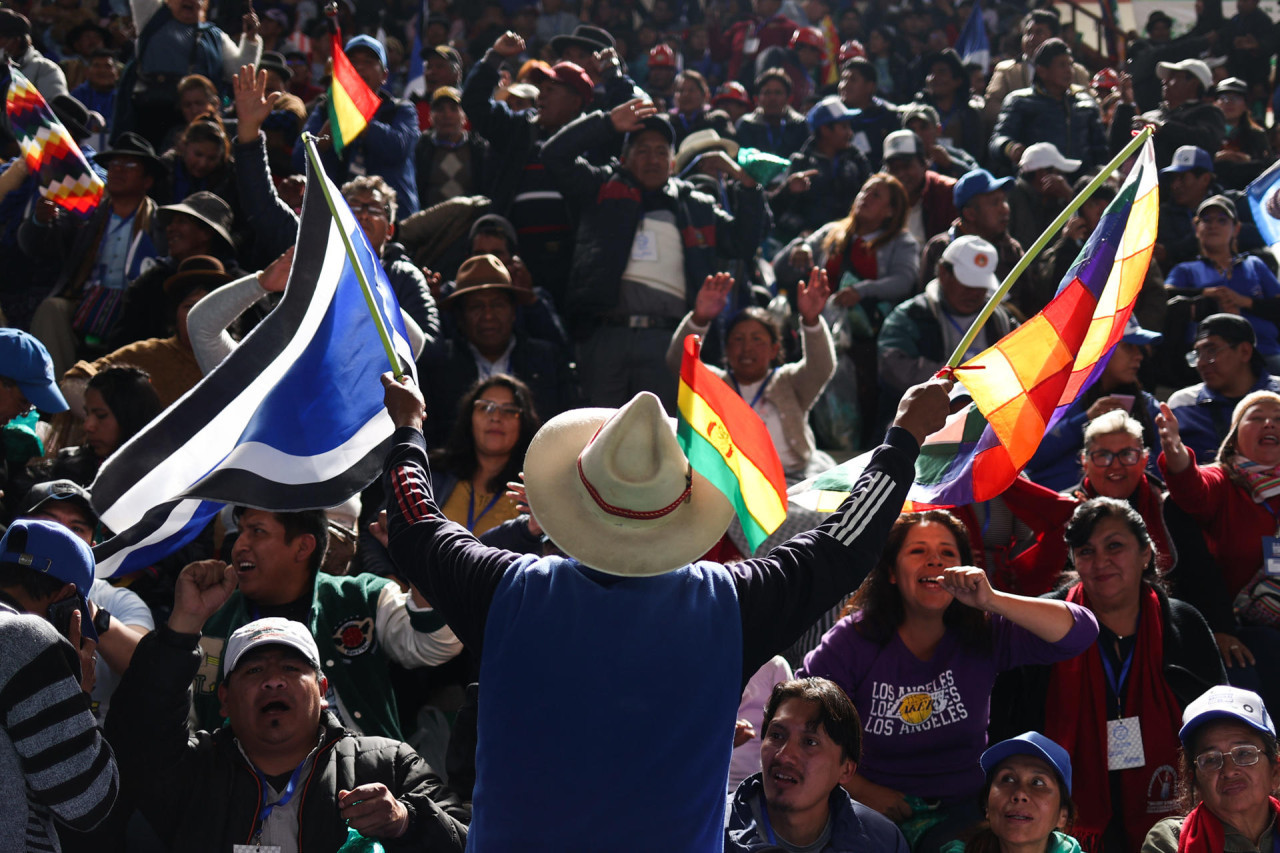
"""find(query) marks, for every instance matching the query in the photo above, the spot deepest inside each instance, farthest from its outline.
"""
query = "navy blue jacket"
(1072, 123)
(854, 827)
(613, 206)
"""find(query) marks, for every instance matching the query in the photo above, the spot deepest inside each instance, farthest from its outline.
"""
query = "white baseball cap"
(1045, 155)
(1223, 702)
(272, 631)
(974, 261)
(903, 143)
(1195, 67)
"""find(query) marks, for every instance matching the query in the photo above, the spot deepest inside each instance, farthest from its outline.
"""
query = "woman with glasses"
(1236, 501)
(1228, 778)
(484, 452)
(1057, 463)
(918, 650)
(1117, 707)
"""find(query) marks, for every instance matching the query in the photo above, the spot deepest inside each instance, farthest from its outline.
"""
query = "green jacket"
(358, 622)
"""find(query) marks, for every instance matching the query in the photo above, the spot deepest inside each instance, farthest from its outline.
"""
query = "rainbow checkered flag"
(49, 151)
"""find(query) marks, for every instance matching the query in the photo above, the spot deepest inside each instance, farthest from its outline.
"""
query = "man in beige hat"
(628, 617)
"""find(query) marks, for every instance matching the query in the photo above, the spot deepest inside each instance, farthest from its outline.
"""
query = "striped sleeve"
(68, 767)
(782, 595)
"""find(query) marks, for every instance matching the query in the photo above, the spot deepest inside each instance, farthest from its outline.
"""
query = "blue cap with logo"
(1135, 334)
(829, 111)
(1189, 158)
(25, 360)
(1223, 702)
(368, 43)
(1035, 745)
(51, 549)
(975, 183)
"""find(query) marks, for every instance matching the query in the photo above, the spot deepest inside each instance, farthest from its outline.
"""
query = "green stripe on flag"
(708, 462)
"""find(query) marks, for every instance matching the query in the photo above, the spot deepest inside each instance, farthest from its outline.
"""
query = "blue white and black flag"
(973, 45)
(1264, 204)
(293, 419)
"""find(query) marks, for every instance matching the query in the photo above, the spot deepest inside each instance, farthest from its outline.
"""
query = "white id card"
(861, 142)
(255, 848)
(1271, 555)
(645, 247)
(751, 45)
(1124, 744)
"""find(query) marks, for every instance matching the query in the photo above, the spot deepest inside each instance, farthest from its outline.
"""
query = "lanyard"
(782, 133)
(472, 518)
(1266, 504)
(289, 790)
(1118, 684)
(973, 347)
(759, 391)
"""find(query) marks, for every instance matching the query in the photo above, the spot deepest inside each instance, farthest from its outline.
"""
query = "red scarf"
(857, 257)
(1076, 717)
(1202, 831)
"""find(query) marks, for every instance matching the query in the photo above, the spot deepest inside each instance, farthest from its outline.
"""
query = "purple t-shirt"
(925, 722)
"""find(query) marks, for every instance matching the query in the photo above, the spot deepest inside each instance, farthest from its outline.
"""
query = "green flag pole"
(1041, 241)
(318, 170)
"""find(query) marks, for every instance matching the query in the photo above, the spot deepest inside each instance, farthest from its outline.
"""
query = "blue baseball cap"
(368, 43)
(829, 111)
(976, 183)
(1035, 745)
(1223, 702)
(25, 360)
(51, 549)
(1135, 334)
(1188, 158)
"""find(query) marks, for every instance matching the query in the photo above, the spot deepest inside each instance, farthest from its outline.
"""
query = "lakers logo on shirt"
(915, 708)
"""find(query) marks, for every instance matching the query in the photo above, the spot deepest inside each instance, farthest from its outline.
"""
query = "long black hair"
(130, 396)
(458, 456)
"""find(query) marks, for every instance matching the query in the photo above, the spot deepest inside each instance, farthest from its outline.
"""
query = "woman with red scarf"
(1116, 708)
(1229, 777)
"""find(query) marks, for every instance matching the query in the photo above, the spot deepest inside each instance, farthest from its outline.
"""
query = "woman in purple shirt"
(918, 651)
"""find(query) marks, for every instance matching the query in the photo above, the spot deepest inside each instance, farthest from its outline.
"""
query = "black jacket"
(1198, 123)
(200, 794)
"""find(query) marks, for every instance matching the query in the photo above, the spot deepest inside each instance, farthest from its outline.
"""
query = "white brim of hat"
(1040, 161)
(986, 281)
(611, 544)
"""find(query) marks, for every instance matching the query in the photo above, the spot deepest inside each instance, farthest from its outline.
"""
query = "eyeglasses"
(1246, 755)
(377, 211)
(507, 411)
(1205, 355)
(1104, 458)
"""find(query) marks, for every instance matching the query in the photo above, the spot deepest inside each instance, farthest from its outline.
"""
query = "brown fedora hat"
(486, 272)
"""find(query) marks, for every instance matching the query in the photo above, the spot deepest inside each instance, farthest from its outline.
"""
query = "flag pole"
(1031, 253)
(318, 170)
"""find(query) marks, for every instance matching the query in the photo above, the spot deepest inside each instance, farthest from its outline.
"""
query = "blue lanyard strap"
(472, 518)
(289, 791)
(759, 391)
(1118, 684)
(973, 348)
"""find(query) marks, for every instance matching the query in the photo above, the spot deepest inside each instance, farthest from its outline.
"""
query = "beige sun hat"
(700, 142)
(613, 490)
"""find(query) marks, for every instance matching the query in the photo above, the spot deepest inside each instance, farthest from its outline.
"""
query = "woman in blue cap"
(1228, 777)
(1027, 799)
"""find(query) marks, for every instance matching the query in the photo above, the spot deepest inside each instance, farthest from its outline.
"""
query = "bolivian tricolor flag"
(351, 102)
(727, 443)
(49, 149)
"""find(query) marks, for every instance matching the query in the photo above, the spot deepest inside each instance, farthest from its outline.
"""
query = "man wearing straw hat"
(626, 617)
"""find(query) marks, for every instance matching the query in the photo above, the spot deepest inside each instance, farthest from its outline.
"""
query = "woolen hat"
(613, 490)
(209, 208)
(1035, 745)
(25, 360)
(485, 272)
(50, 549)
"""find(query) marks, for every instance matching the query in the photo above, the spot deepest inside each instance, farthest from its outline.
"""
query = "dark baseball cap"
(58, 491)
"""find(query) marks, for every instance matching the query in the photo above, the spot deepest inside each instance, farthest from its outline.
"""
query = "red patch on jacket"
(698, 238)
(617, 190)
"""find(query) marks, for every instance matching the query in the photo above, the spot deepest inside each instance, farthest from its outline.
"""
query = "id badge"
(255, 848)
(1271, 555)
(861, 142)
(751, 45)
(644, 247)
(1124, 744)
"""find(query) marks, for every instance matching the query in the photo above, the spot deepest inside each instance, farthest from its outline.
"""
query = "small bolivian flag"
(728, 443)
(351, 102)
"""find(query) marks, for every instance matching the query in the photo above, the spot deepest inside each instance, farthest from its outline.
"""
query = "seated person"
(364, 621)
(810, 745)
(1226, 356)
(1057, 462)
(781, 394)
(1229, 771)
(274, 697)
(1040, 191)
(1235, 281)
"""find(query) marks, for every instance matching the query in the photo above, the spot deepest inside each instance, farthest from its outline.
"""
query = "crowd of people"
(827, 193)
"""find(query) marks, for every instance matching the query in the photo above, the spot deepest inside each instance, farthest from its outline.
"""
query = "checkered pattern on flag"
(49, 150)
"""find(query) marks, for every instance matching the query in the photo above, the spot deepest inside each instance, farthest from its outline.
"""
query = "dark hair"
(312, 522)
(199, 81)
(862, 67)
(1085, 520)
(880, 601)
(1188, 791)
(129, 395)
(1043, 16)
(836, 713)
(985, 841)
(34, 584)
(1049, 50)
(695, 76)
(208, 128)
(761, 316)
(103, 52)
(772, 74)
(458, 456)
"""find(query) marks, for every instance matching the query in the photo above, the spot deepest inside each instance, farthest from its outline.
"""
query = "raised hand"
(253, 104)
(1176, 456)
(403, 401)
(812, 297)
(924, 408)
(508, 45)
(970, 586)
(631, 115)
(712, 297)
(276, 275)
(202, 588)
